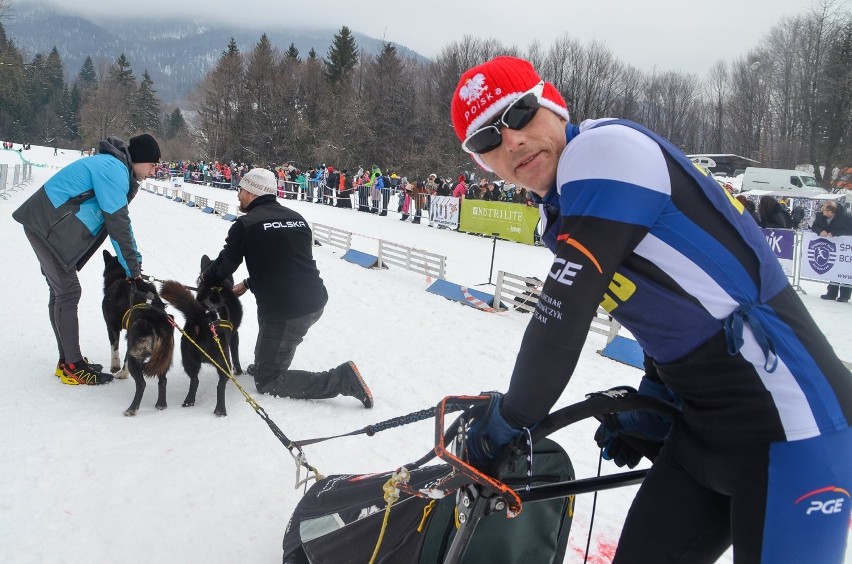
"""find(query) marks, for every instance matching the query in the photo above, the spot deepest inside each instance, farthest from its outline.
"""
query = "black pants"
(276, 345)
(844, 291)
(695, 502)
(63, 301)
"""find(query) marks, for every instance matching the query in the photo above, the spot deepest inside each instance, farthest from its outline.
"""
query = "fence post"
(4, 171)
(614, 326)
(379, 265)
(797, 259)
(498, 289)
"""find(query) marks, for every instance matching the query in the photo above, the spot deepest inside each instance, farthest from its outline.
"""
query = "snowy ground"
(84, 483)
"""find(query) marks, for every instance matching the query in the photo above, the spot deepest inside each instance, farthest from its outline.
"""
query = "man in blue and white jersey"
(68, 219)
(761, 457)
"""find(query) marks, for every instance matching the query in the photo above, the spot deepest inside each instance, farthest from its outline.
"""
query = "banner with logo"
(444, 210)
(828, 259)
(782, 242)
(515, 222)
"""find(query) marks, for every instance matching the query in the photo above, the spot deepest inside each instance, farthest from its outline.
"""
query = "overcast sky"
(666, 34)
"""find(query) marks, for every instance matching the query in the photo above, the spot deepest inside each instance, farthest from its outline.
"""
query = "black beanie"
(144, 149)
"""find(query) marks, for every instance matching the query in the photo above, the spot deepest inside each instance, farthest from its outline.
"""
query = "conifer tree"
(292, 54)
(342, 56)
(260, 117)
(87, 78)
(175, 124)
(146, 112)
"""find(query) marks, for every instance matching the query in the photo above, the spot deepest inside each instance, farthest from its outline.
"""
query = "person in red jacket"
(461, 188)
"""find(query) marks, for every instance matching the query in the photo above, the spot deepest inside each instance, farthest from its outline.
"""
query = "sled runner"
(452, 513)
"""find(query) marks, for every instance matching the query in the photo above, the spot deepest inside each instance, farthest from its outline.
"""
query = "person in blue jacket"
(761, 457)
(68, 219)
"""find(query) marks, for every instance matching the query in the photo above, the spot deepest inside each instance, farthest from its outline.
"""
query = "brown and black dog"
(214, 307)
(137, 308)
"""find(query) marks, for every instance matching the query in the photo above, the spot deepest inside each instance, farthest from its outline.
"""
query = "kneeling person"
(276, 243)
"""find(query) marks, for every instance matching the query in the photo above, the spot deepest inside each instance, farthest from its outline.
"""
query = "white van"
(775, 179)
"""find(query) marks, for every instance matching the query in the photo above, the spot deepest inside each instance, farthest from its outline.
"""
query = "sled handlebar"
(596, 404)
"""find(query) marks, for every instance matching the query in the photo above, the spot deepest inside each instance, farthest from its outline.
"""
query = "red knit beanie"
(486, 90)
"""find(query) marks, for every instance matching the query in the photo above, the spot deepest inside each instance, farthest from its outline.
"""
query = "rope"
(300, 459)
(150, 278)
(391, 489)
(594, 507)
(475, 302)
(371, 430)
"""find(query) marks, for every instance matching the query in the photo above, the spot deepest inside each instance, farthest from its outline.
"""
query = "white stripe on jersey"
(626, 154)
(688, 276)
(792, 405)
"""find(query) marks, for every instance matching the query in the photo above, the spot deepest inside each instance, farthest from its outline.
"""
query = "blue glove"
(489, 433)
(647, 426)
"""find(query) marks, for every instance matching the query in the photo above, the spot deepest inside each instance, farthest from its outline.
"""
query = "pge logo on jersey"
(824, 501)
(822, 255)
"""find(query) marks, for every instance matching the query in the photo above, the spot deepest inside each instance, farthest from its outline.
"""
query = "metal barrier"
(290, 190)
(220, 208)
(4, 171)
(332, 236)
(524, 293)
(415, 260)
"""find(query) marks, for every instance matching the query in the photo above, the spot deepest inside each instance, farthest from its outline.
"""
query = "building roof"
(727, 163)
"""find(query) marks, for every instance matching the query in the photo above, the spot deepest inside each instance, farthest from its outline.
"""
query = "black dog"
(136, 307)
(215, 308)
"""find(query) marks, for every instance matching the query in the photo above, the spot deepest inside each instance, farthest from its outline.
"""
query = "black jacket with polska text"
(277, 244)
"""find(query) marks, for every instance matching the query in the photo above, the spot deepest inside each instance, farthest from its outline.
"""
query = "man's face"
(528, 156)
(244, 197)
(827, 211)
(141, 171)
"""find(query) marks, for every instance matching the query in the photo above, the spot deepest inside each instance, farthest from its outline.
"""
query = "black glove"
(647, 426)
(488, 434)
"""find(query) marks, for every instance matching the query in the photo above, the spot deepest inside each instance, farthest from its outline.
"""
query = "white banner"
(445, 211)
(828, 259)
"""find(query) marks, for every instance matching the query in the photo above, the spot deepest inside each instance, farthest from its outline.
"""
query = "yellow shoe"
(63, 377)
(82, 373)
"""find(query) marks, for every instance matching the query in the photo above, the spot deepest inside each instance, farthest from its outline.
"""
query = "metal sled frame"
(483, 495)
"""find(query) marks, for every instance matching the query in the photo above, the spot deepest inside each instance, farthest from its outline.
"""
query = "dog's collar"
(125, 319)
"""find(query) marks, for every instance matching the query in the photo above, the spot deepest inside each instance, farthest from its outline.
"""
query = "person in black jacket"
(276, 243)
(832, 221)
(771, 214)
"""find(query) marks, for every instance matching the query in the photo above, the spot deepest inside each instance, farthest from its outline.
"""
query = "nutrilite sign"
(516, 222)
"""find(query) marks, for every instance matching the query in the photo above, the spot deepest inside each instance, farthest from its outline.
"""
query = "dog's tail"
(176, 294)
(160, 348)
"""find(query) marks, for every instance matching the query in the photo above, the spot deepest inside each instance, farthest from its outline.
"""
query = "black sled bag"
(339, 519)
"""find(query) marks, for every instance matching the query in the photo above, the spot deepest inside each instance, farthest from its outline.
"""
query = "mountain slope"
(177, 53)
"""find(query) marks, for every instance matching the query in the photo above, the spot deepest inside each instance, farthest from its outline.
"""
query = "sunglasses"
(516, 116)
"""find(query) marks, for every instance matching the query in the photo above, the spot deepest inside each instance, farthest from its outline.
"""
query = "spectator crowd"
(368, 190)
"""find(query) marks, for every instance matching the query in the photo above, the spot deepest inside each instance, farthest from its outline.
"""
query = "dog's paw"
(130, 412)
(220, 412)
(188, 404)
(122, 374)
(161, 406)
